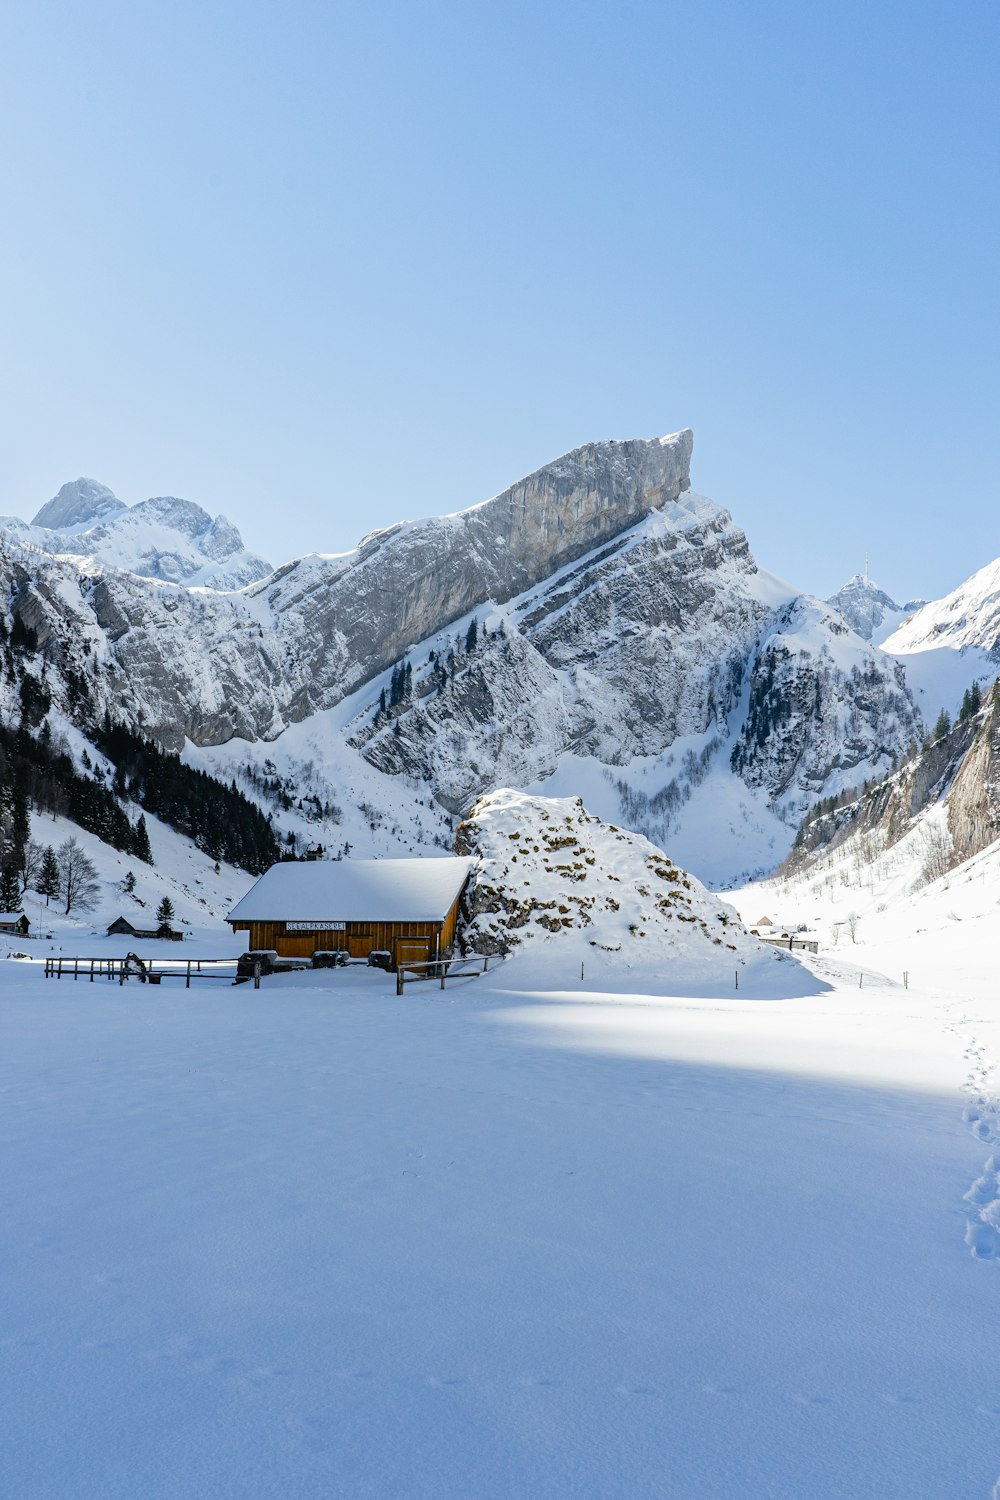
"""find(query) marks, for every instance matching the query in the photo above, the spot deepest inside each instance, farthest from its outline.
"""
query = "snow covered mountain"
(596, 628)
(968, 617)
(869, 611)
(164, 538)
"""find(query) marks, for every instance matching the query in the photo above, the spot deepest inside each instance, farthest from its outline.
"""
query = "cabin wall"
(414, 939)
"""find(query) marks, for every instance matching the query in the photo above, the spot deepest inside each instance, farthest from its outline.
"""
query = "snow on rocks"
(551, 872)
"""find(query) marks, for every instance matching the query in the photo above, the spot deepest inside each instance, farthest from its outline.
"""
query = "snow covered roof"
(7, 918)
(355, 890)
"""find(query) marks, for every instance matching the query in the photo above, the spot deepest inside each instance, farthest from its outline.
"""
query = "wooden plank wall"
(359, 938)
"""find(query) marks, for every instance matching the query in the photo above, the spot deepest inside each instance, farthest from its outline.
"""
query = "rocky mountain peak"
(81, 502)
(869, 610)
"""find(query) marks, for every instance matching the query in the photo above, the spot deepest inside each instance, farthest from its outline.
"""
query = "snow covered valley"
(526, 1237)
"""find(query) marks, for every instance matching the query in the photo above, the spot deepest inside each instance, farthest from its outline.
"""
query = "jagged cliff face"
(619, 614)
(208, 666)
(959, 772)
(820, 704)
(640, 642)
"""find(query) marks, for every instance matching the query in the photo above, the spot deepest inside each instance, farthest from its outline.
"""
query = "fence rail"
(420, 971)
(154, 970)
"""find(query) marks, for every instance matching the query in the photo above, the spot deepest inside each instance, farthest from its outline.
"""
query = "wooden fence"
(156, 970)
(444, 969)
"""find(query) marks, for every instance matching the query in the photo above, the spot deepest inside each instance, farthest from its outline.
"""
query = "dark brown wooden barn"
(405, 907)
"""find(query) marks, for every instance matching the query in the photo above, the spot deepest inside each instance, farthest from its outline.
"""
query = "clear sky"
(324, 266)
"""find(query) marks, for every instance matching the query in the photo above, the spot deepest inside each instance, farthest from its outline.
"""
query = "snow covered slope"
(164, 538)
(968, 617)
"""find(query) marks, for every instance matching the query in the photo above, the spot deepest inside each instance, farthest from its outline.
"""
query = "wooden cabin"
(15, 923)
(406, 907)
(122, 927)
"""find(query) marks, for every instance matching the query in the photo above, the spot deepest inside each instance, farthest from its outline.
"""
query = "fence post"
(91, 971)
(861, 980)
(187, 982)
(256, 974)
(737, 978)
(400, 981)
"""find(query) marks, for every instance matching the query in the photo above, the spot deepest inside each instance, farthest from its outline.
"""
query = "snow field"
(318, 1241)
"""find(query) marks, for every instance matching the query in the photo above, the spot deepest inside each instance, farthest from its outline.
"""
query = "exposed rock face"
(974, 800)
(642, 641)
(359, 613)
(961, 770)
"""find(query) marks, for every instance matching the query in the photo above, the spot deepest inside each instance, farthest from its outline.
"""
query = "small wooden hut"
(15, 923)
(406, 907)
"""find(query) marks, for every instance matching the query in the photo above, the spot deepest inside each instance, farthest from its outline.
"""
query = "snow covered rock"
(967, 617)
(164, 538)
(549, 871)
(869, 611)
(824, 708)
(79, 503)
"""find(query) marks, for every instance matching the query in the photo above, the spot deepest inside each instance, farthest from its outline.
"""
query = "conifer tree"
(10, 890)
(942, 726)
(472, 635)
(165, 912)
(140, 842)
(48, 880)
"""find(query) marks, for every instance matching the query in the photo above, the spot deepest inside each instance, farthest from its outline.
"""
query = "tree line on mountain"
(219, 819)
(37, 770)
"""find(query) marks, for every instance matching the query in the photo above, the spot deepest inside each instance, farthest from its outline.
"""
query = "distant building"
(406, 907)
(14, 922)
(122, 927)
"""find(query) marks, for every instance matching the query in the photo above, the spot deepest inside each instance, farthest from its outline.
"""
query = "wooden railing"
(156, 969)
(419, 971)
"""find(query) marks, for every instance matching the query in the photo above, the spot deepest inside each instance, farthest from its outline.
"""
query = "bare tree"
(938, 851)
(78, 876)
(853, 918)
(31, 869)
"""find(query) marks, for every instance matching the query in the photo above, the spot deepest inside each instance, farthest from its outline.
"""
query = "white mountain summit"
(164, 538)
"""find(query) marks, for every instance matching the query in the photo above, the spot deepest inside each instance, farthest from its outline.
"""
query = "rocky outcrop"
(358, 614)
(549, 872)
(974, 800)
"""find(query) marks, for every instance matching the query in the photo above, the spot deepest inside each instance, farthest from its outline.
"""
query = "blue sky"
(324, 266)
